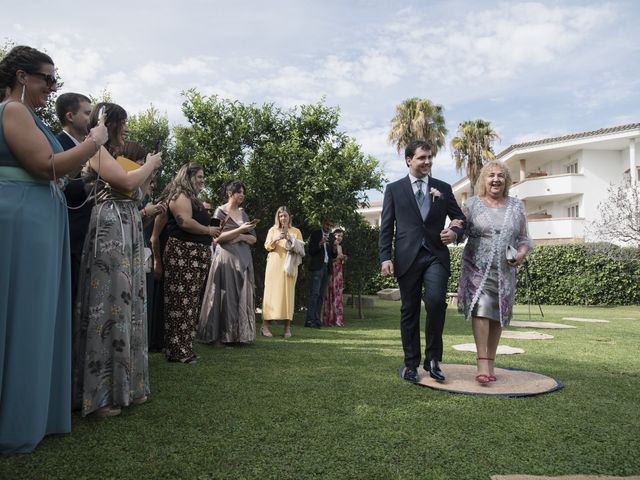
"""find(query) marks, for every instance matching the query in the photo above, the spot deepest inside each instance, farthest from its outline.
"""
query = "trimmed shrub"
(569, 274)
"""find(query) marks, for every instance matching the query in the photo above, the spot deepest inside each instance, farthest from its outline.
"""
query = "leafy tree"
(151, 130)
(418, 119)
(294, 157)
(361, 247)
(619, 219)
(473, 147)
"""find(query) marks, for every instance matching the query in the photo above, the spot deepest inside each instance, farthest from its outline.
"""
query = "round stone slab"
(517, 323)
(509, 383)
(586, 320)
(502, 349)
(526, 335)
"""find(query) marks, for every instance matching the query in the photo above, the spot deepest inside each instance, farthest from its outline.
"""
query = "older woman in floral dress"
(495, 224)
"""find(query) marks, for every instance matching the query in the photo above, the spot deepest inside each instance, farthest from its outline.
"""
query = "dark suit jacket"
(316, 252)
(75, 193)
(401, 216)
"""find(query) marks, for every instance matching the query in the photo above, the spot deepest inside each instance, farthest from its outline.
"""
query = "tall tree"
(473, 147)
(418, 119)
(296, 157)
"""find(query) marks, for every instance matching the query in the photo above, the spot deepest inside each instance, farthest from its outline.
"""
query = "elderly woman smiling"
(498, 243)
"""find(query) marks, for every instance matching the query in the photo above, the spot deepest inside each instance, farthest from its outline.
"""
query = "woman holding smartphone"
(187, 258)
(228, 307)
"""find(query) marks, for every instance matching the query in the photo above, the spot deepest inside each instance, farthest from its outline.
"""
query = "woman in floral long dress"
(332, 314)
(110, 316)
(486, 293)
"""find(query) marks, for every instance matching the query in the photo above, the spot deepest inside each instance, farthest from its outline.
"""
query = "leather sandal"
(482, 379)
(492, 378)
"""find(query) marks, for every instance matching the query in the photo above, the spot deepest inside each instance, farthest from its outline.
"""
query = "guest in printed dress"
(495, 224)
(35, 277)
(187, 258)
(280, 285)
(112, 369)
(228, 307)
(332, 314)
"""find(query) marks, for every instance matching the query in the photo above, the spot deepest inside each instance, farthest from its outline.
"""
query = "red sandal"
(491, 378)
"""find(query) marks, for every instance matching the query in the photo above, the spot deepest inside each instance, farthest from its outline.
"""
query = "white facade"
(563, 180)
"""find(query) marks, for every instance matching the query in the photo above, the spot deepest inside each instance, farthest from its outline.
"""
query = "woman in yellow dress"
(286, 248)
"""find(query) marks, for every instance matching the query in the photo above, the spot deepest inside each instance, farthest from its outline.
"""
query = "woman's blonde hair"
(183, 184)
(281, 209)
(481, 184)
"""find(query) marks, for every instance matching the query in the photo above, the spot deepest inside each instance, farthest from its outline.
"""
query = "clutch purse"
(510, 253)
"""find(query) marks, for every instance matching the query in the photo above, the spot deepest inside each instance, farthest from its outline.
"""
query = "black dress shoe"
(411, 375)
(434, 371)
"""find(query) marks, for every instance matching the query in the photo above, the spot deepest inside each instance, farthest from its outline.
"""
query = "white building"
(562, 180)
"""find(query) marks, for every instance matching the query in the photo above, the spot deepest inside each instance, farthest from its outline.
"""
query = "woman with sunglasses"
(35, 280)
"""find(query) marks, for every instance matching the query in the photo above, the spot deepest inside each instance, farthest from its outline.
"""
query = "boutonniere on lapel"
(435, 194)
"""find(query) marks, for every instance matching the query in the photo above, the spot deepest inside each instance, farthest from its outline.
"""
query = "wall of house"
(601, 168)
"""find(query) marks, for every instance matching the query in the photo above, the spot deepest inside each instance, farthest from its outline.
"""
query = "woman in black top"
(187, 257)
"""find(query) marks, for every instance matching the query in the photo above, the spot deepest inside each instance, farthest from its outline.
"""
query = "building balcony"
(556, 228)
(549, 186)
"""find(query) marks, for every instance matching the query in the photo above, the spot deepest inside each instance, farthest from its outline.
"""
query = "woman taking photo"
(497, 244)
(228, 306)
(279, 284)
(35, 318)
(110, 313)
(187, 259)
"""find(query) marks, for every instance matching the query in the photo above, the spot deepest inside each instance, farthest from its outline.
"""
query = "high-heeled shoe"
(287, 335)
(266, 333)
(482, 379)
(492, 378)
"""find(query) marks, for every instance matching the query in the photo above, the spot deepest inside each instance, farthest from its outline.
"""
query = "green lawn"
(329, 404)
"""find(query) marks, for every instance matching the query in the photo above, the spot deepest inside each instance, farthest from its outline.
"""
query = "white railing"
(550, 185)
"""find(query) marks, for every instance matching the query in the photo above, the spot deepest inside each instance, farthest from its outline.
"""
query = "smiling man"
(414, 212)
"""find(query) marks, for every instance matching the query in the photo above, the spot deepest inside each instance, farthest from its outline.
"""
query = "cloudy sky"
(534, 69)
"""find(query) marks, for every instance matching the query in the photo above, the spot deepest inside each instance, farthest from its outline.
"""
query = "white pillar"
(632, 161)
(523, 169)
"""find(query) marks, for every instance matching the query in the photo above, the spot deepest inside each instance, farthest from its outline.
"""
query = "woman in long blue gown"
(35, 281)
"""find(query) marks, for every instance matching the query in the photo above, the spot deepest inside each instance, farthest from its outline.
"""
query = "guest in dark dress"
(186, 261)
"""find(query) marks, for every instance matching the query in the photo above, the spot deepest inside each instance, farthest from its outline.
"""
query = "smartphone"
(255, 221)
(101, 116)
(215, 222)
(158, 145)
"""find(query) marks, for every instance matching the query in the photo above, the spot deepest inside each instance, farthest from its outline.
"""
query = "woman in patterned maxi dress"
(110, 317)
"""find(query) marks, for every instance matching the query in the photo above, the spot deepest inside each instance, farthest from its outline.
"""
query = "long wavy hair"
(183, 184)
(481, 184)
(115, 120)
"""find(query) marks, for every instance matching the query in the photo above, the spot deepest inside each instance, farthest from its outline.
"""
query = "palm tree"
(418, 119)
(473, 147)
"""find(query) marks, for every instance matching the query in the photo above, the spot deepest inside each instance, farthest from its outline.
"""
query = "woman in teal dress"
(35, 281)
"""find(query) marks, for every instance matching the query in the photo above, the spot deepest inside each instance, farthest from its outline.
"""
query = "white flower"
(435, 194)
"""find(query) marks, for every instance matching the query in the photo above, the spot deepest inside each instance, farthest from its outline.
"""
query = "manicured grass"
(329, 404)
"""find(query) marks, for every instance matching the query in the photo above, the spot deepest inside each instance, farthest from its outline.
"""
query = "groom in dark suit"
(414, 212)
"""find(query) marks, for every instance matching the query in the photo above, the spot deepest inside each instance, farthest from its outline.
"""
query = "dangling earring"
(24, 86)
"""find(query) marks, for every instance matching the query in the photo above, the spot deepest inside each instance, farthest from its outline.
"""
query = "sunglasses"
(49, 80)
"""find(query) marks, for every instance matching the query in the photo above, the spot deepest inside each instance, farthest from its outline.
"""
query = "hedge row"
(574, 274)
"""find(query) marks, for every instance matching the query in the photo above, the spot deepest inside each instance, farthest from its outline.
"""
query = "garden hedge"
(569, 274)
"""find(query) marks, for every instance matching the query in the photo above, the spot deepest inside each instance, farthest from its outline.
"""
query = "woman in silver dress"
(498, 243)
(228, 307)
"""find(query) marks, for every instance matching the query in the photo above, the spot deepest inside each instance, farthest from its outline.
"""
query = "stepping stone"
(389, 294)
(526, 335)
(502, 349)
(586, 320)
(517, 323)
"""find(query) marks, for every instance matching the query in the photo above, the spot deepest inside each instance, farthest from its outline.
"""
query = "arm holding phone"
(183, 213)
(241, 233)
